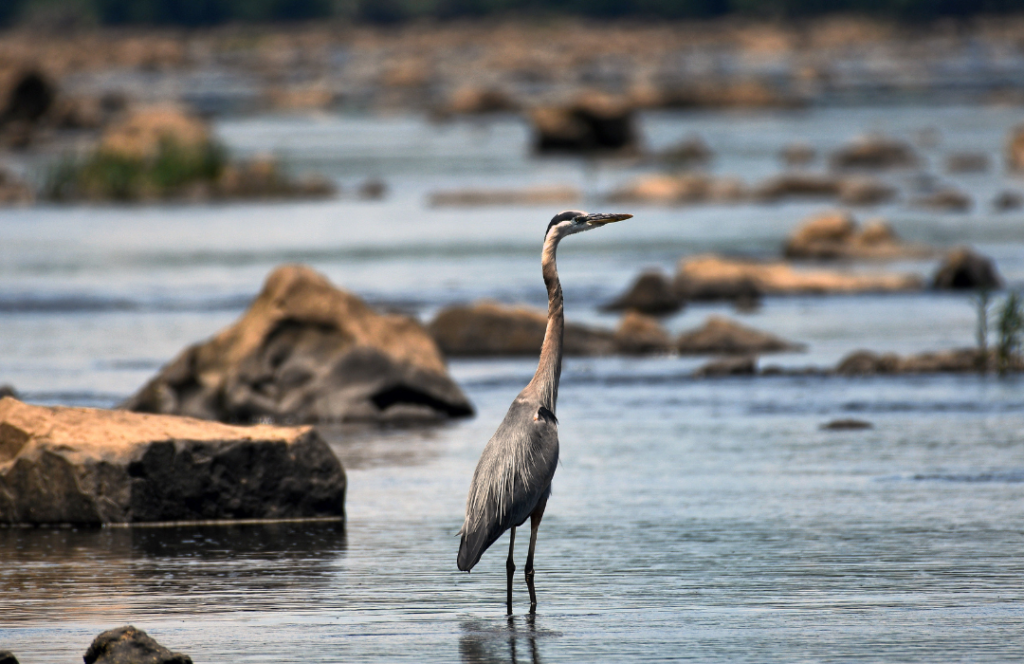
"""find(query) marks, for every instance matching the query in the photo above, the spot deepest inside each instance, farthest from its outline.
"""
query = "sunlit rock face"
(307, 352)
(89, 466)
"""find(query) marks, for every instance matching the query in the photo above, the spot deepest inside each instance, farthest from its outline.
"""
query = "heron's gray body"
(512, 477)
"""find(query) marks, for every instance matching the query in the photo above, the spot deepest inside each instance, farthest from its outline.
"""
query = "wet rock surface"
(860, 363)
(714, 277)
(306, 351)
(947, 199)
(638, 334)
(652, 293)
(964, 269)
(847, 424)
(722, 336)
(89, 466)
(128, 645)
(593, 123)
(874, 152)
(487, 329)
(836, 234)
(728, 366)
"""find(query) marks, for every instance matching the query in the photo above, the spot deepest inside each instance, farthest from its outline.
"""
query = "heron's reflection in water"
(512, 642)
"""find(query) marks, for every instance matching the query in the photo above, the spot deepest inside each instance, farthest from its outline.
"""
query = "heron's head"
(577, 221)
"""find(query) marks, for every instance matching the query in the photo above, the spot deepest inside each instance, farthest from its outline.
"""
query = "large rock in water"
(835, 234)
(963, 269)
(652, 293)
(715, 277)
(308, 352)
(488, 329)
(723, 336)
(593, 123)
(88, 466)
(128, 645)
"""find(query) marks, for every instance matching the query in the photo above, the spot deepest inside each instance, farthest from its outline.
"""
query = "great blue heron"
(512, 480)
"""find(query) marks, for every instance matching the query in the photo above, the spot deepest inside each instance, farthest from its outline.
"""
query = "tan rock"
(541, 195)
(89, 466)
(1015, 149)
(714, 274)
(474, 100)
(140, 135)
(948, 199)
(306, 351)
(722, 336)
(487, 329)
(874, 152)
(678, 189)
(638, 334)
(14, 190)
(835, 234)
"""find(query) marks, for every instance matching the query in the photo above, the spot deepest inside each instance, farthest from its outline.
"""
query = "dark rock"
(945, 200)
(848, 424)
(963, 269)
(8, 391)
(487, 329)
(373, 189)
(7, 657)
(29, 99)
(128, 645)
(967, 162)
(874, 152)
(638, 334)
(728, 366)
(805, 185)
(722, 336)
(1008, 200)
(652, 293)
(863, 190)
(797, 154)
(89, 466)
(691, 151)
(306, 351)
(592, 124)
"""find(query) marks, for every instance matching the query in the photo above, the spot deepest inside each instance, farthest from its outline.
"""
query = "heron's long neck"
(549, 369)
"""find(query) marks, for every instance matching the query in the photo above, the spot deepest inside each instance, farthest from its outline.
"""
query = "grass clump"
(1009, 328)
(113, 176)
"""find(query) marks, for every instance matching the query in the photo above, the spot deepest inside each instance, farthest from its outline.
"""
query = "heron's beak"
(602, 218)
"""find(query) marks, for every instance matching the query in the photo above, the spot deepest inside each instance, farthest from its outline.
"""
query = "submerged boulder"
(963, 269)
(638, 334)
(725, 337)
(89, 466)
(651, 293)
(874, 152)
(128, 645)
(486, 329)
(710, 275)
(306, 351)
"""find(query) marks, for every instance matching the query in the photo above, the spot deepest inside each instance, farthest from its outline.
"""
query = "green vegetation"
(111, 176)
(212, 12)
(1009, 329)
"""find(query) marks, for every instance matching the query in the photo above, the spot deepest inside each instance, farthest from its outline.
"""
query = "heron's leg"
(510, 567)
(535, 517)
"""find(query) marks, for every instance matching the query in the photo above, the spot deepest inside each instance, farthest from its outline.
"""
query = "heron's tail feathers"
(474, 542)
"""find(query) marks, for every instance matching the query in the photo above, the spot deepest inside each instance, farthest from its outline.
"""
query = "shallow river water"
(707, 520)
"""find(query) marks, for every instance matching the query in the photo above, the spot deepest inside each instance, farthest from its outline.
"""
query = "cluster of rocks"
(836, 234)
(123, 645)
(488, 329)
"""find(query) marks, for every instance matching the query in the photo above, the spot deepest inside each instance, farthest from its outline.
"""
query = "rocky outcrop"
(874, 152)
(722, 336)
(1008, 200)
(714, 277)
(963, 269)
(593, 123)
(28, 101)
(143, 133)
(542, 195)
(638, 334)
(856, 190)
(306, 351)
(947, 199)
(7, 657)
(652, 293)
(87, 466)
(847, 424)
(863, 362)
(836, 234)
(679, 190)
(128, 645)
(487, 329)
(728, 366)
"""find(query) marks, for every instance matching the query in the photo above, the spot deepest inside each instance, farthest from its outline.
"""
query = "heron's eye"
(578, 220)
